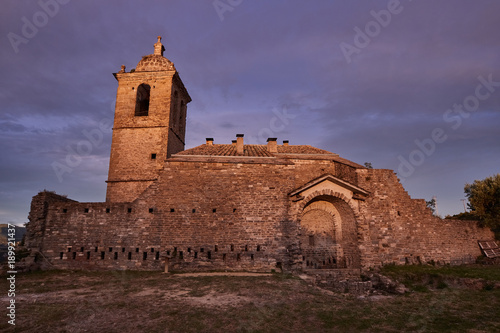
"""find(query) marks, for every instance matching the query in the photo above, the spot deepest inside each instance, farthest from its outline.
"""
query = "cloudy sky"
(412, 86)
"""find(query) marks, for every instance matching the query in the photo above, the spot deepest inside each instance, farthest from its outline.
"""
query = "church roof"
(290, 151)
(228, 150)
(251, 150)
(301, 149)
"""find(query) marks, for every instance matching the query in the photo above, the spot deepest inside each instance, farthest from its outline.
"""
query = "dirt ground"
(74, 301)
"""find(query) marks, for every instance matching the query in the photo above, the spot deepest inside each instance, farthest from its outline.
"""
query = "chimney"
(233, 142)
(285, 143)
(159, 47)
(239, 144)
(272, 145)
(210, 141)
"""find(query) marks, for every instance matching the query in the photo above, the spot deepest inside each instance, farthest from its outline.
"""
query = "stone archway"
(328, 237)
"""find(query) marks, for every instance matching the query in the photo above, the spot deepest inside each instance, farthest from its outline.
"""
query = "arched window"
(142, 100)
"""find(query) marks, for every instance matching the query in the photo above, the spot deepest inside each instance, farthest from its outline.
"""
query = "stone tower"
(149, 125)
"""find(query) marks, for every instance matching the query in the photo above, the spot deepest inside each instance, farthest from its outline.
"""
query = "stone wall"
(398, 229)
(126, 191)
(36, 228)
(236, 215)
(217, 215)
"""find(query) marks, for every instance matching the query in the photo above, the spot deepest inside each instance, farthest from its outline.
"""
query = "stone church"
(233, 206)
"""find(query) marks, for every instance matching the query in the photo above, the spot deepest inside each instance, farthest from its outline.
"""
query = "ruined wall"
(101, 235)
(398, 229)
(36, 228)
(236, 216)
(191, 218)
(200, 215)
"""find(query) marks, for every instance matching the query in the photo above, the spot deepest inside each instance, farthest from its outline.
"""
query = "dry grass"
(64, 301)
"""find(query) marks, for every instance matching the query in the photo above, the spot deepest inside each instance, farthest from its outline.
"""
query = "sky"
(412, 86)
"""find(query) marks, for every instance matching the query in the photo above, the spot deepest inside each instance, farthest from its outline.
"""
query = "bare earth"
(67, 301)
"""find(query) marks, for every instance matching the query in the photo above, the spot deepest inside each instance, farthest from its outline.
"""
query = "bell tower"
(149, 125)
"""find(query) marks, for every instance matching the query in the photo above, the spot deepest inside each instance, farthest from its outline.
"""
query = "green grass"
(76, 301)
(423, 278)
(489, 272)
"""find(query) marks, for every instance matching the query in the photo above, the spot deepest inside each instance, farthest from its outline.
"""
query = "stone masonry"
(234, 206)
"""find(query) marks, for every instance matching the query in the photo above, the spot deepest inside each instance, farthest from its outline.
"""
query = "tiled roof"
(250, 150)
(301, 149)
(347, 162)
(261, 151)
(228, 150)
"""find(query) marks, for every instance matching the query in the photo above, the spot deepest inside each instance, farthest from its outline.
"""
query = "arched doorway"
(328, 237)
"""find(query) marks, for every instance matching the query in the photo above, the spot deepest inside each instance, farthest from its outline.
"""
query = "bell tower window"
(142, 100)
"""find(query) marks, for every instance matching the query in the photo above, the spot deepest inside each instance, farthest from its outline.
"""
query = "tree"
(432, 205)
(368, 165)
(484, 201)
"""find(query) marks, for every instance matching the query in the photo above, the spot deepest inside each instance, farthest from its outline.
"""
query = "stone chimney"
(285, 143)
(159, 47)
(233, 142)
(272, 145)
(210, 141)
(239, 144)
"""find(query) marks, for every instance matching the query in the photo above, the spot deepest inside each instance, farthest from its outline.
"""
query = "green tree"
(368, 165)
(484, 200)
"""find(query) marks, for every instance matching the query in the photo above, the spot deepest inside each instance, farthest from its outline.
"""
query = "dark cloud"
(10, 126)
(263, 58)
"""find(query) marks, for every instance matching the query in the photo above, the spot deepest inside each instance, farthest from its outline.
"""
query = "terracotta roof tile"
(261, 151)
(228, 150)
(250, 150)
(301, 149)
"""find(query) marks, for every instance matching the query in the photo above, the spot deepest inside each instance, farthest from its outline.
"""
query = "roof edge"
(329, 177)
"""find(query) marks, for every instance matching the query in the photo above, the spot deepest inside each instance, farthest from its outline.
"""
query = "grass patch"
(490, 272)
(423, 278)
